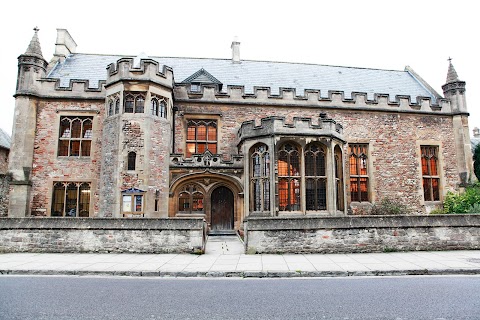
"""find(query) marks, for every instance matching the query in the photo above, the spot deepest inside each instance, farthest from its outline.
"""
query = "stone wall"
(175, 235)
(394, 143)
(48, 167)
(4, 189)
(362, 234)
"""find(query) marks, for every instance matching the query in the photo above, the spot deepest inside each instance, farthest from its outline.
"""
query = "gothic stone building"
(114, 136)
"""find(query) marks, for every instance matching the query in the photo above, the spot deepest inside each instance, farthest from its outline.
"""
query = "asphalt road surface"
(50, 297)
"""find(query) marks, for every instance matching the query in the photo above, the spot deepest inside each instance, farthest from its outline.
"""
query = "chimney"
(235, 50)
(64, 46)
(476, 132)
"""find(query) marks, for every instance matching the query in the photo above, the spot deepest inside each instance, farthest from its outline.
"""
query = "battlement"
(313, 98)
(147, 70)
(276, 125)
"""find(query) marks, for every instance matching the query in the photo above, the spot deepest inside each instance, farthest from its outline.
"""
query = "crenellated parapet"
(206, 159)
(276, 126)
(313, 98)
(149, 70)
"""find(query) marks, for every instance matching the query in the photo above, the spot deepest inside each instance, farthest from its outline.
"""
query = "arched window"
(339, 178)
(289, 175)
(154, 106)
(71, 199)
(139, 104)
(117, 106)
(163, 109)
(190, 199)
(358, 172)
(260, 178)
(110, 107)
(315, 178)
(134, 103)
(430, 175)
(201, 136)
(132, 159)
(75, 138)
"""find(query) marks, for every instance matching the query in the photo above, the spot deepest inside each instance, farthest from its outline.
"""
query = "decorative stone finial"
(452, 75)
(34, 48)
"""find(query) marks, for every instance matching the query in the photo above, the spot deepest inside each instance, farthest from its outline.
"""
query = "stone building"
(125, 136)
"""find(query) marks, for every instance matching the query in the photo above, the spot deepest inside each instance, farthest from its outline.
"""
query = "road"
(51, 297)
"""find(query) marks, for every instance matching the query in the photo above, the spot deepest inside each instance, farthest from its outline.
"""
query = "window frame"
(66, 140)
(359, 151)
(132, 198)
(430, 152)
(134, 98)
(81, 208)
(291, 179)
(260, 189)
(158, 106)
(131, 161)
(316, 177)
(192, 144)
(192, 193)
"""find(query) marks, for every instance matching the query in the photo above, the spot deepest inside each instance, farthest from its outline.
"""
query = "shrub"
(476, 159)
(389, 207)
(465, 202)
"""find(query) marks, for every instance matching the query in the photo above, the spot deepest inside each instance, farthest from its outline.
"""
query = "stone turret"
(136, 138)
(454, 91)
(31, 68)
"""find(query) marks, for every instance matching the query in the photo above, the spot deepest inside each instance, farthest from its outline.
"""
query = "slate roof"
(5, 140)
(251, 73)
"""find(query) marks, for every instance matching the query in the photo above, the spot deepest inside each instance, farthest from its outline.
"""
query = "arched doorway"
(222, 209)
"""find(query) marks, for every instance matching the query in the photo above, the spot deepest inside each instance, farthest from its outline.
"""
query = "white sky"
(371, 34)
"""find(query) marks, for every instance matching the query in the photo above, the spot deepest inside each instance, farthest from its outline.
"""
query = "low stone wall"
(139, 235)
(362, 234)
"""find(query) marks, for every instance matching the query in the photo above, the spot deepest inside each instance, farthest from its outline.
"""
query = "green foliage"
(389, 207)
(437, 211)
(476, 159)
(466, 202)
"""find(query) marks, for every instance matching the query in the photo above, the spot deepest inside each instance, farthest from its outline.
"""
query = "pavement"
(224, 257)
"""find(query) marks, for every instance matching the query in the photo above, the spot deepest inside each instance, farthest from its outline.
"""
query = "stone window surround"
(441, 172)
(368, 176)
(186, 117)
(51, 183)
(192, 191)
(161, 107)
(72, 113)
(261, 178)
(137, 96)
(113, 104)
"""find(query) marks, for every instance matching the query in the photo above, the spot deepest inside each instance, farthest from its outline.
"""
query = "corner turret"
(31, 66)
(454, 90)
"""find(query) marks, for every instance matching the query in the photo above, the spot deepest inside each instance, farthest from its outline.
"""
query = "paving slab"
(225, 257)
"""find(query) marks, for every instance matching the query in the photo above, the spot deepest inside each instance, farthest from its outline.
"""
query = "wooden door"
(222, 209)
